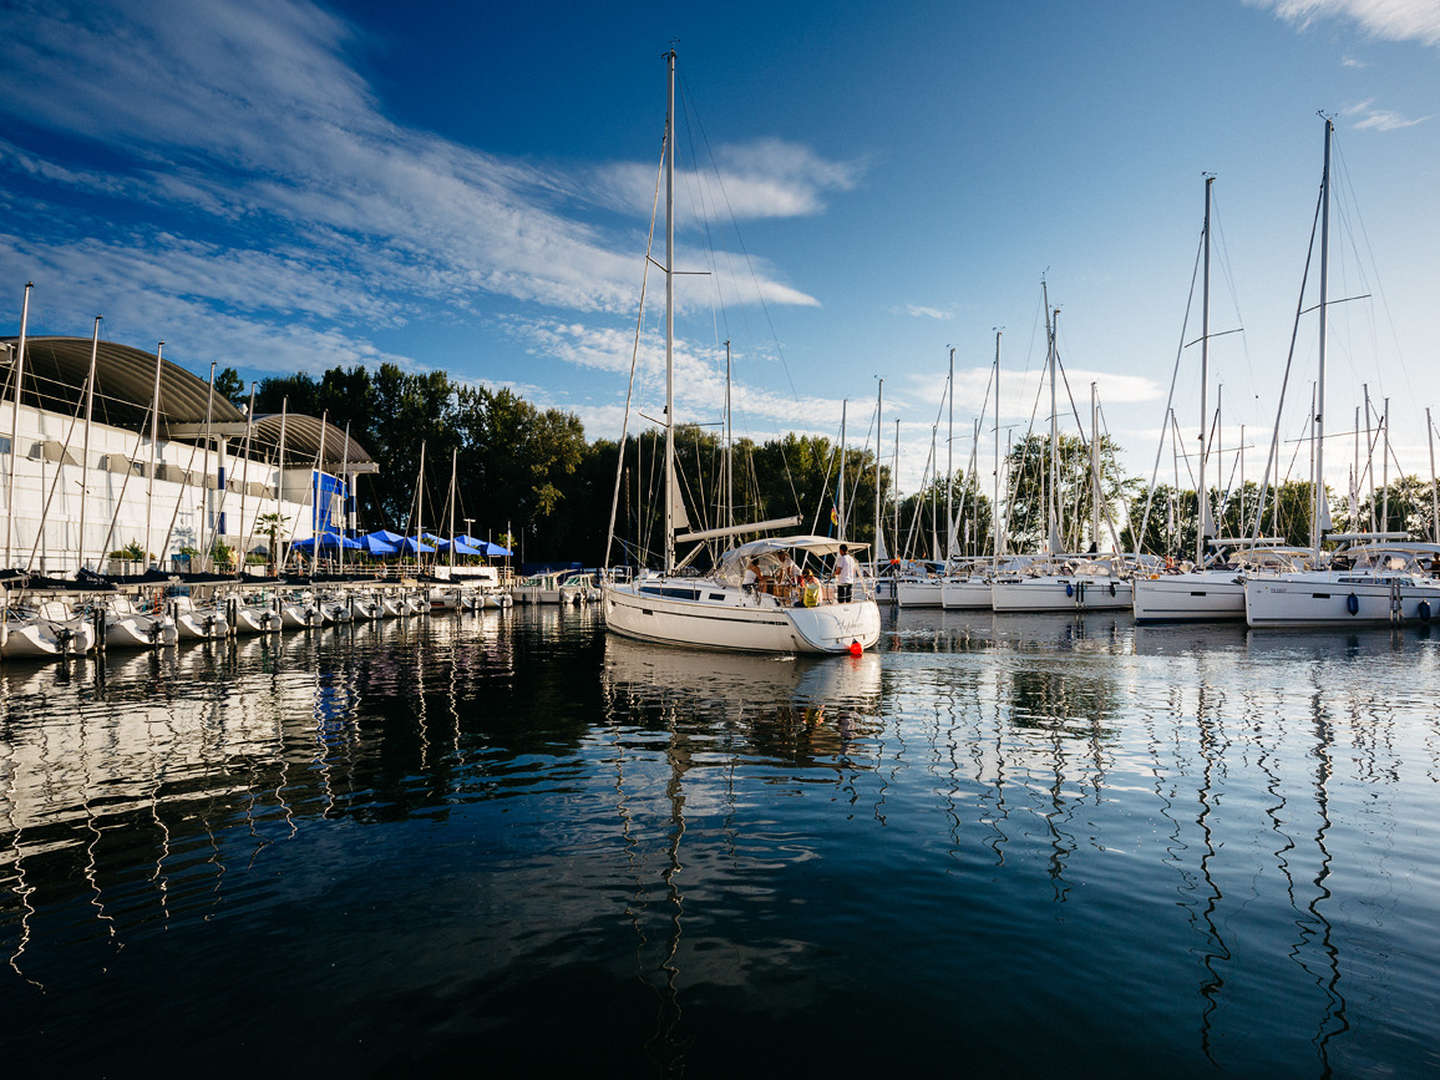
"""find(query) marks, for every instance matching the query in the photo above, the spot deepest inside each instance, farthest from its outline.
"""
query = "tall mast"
(875, 547)
(315, 496)
(895, 485)
(1369, 457)
(419, 504)
(454, 461)
(729, 447)
(1054, 503)
(1434, 492)
(278, 555)
(934, 497)
(995, 507)
(670, 312)
(345, 500)
(1319, 476)
(950, 464)
(1094, 467)
(19, 370)
(205, 472)
(154, 440)
(840, 526)
(85, 452)
(245, 480)
(1385, 471)
(1203, 520)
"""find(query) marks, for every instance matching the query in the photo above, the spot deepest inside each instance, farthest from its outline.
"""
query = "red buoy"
(856, 648)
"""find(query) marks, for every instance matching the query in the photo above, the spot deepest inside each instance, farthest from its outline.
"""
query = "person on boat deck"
(809, 589)
(754, 580)
(786, 573)
(846, 571)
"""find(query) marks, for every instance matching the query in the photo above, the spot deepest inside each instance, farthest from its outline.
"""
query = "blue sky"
(281, 186)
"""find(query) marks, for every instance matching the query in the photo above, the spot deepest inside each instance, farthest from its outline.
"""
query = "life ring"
(1352, 604)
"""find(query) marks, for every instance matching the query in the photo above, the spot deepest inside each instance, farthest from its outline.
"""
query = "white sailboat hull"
(201, 625)
(972, 594)
(139, 632)
(302, 616)
(1196, 597)
(738, 622)
(257, 619)
(1061, 592)
(43, 639)
(918, 593)
(1294, 601)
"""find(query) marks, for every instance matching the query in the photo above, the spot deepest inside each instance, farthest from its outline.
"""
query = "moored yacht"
(1390, 582)
(1065, 583)
(1210, 593)
(719, 611)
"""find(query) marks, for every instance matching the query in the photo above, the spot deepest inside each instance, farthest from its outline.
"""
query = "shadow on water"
(1187, 848)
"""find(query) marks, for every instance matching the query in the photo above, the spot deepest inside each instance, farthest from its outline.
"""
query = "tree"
(229, 386)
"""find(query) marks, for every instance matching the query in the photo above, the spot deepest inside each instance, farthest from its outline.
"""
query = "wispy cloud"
(1367, 117)
(268, 180)
(699, 372)
(1351, 62)
(765, 178)
(1391, 20)
(923, 311)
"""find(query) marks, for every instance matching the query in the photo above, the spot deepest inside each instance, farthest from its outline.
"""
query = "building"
(162, 463)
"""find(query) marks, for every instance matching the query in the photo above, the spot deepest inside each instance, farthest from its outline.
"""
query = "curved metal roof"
(55, 370)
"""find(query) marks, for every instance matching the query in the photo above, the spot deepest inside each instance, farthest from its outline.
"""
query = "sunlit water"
(509, 843)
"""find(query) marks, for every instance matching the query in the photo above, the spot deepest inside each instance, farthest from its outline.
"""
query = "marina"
(670, 543)
(414, 833)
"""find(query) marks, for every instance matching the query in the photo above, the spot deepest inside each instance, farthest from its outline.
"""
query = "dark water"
(509, 844)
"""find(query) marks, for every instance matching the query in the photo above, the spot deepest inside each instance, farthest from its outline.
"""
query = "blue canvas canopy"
(461, 548)
(375, 544)
(495, 550)
(329, 541)
(385, 536)
(407, 546)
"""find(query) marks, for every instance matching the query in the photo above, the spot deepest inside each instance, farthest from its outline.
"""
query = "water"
(506, 842)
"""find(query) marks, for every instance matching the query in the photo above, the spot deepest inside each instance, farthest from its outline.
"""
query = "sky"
(281, 186)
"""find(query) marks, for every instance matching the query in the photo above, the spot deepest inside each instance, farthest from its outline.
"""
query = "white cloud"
(924, 392)
(1391, 20)
(1369, 117)
(921, 311)
(1352, 62)
(1385, 120)
(302, 201)
(699, 375)
(766, 178)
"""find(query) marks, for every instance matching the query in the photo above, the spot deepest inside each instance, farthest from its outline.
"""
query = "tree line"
(532, 473)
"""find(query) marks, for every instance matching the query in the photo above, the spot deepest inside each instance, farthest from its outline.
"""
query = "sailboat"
(1060, 582)
(1378, 577)
(721, 610)
(1213, 588)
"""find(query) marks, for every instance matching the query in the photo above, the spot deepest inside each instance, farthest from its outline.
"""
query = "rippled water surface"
(510, 842)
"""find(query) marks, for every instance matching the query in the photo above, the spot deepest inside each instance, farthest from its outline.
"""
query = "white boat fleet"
(45, 623)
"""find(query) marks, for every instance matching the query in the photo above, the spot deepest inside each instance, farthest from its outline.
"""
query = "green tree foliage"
(229, 386)
(1029, 473)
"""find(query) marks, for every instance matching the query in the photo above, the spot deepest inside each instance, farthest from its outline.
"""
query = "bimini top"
(55, 371)
(773, 545)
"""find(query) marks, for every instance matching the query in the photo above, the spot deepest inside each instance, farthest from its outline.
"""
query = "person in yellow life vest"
(810, 590)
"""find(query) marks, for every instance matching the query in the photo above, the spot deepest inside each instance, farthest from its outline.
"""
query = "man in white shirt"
(847, 570)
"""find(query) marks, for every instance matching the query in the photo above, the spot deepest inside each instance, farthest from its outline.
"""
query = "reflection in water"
(419, 832)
